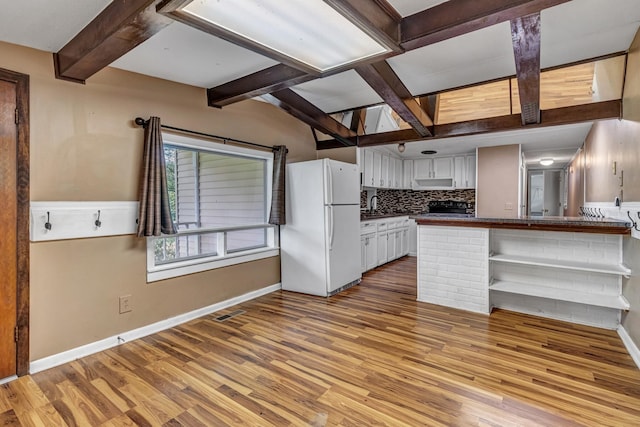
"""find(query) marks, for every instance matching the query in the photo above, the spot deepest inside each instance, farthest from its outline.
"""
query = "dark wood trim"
(458, 17)
(358, 118)
(22, 228)
(525, 35)
(119, 28)
(377, 19)
(381, 77)
(265, 81)
(305, 111)
(553, 117)
(425, 28)
(524, 225)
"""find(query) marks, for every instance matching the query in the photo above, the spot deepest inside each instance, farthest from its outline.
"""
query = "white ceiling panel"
(409, 7)
(339, 92)
(183, 54)
(482, 55)
(549, 140)
(44, 24)
(583, 29)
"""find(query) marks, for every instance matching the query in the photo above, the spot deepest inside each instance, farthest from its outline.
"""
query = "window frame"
(166, 270)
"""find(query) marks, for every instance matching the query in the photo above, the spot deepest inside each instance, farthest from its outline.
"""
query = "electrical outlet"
(508, 206)
(125, 304)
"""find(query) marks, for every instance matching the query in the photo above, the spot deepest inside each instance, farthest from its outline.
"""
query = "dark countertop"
(370, 217)
(547, 223)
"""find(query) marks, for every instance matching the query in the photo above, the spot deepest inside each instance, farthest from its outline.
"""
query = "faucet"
(371, 209)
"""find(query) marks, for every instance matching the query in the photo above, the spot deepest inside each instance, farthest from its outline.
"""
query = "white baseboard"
(8, 379)
(632, 348)
(94, 347)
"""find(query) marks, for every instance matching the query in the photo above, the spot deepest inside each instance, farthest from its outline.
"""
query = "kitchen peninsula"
(567, 268)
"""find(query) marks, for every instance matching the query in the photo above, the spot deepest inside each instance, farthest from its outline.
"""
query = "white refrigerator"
(320, 244)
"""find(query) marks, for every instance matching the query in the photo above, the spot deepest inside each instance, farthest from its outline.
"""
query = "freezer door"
(343, 245)
(341, 183)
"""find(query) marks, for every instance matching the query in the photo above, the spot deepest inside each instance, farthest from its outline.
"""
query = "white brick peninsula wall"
(453, 267)
(563, 268)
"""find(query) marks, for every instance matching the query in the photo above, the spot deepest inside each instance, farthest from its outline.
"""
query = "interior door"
(552, 200)
(8, 232)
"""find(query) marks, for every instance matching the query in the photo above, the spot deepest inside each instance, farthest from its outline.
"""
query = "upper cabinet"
(383, 170)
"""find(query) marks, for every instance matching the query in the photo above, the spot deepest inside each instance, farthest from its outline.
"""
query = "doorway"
(544, 192)
(14, 224)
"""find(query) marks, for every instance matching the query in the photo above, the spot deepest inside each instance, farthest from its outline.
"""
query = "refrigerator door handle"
(331, 226)
(328, 184)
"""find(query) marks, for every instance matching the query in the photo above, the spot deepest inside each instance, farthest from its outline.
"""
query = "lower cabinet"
(383, 240)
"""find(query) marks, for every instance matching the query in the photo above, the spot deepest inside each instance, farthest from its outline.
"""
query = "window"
(219, 197)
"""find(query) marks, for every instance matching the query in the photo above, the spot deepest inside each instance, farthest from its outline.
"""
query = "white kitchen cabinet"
(464, 171)
(398, 242)
(407, 174)
(391, 246)
(382, 247)
(367, 176)
(368, 251)
(405, 241)
(434, 168)
(364, 240)
(391, 172)
(399, 175)
(377, 169)
(384, 171)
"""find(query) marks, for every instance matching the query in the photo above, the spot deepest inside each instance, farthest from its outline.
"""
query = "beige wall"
(498, 177)
(84, 146)
(575, 185)
(619, 141)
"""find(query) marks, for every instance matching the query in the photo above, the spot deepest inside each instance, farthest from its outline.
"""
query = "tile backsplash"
(415, 202)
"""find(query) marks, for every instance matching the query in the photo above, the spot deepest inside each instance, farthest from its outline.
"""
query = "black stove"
(448, 208)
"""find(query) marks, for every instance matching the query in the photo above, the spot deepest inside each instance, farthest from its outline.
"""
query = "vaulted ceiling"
(437, 45)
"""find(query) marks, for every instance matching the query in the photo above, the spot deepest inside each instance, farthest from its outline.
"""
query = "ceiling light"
(306, 34)
(546, 162)
(401, 147)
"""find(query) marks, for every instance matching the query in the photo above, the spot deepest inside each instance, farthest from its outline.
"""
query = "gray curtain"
(277, 216)
(154, 214)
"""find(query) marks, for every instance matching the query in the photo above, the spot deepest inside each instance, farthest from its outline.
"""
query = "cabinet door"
(372, 252)
(399, 175)
(407, 172)
(364, 241)
(384, 172)
(367, 180)
(391, 173)
(398, 242)
(391, 246)
(470, 180)
(459, 172)
(405, 241)
(442, 167)
(377, 169)
(382, 248)
(423, 168)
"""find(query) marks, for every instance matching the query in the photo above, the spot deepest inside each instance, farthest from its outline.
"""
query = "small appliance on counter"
(320, 244)
(449, 208)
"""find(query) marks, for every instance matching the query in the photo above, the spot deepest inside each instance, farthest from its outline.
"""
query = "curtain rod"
(142, 122)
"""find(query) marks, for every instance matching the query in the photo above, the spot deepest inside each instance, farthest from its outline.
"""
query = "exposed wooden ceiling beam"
(305, 111)
(445, 21)
(358, 118)
(259, 83)
(120, 27)
(381, 77)
(458, 17)
(553, 117)
(525, 35)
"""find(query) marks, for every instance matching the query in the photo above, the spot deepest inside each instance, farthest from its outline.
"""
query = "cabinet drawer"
(368, 227)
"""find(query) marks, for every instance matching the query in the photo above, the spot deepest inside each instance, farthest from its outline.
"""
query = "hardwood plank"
(371, 354)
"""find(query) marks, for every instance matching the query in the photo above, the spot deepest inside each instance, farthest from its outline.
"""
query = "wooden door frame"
(22, 227)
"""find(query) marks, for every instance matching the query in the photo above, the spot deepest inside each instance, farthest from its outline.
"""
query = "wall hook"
(98, 222)
(47, 225)
(635, 224)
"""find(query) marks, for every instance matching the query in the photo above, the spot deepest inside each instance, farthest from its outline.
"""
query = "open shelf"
(619, 269)
(600, 300)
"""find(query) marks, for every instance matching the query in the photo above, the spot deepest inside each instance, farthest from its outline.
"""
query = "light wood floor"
(369, 356)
